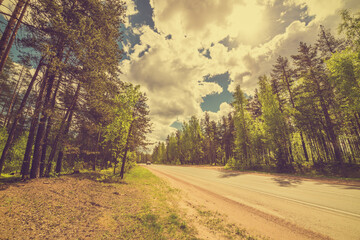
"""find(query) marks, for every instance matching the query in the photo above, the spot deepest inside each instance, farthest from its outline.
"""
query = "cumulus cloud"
(209, 21)
(194, 39)
(131, 8)
(259, 60)
(224, 110)
(171, 72)
(321, 9)
(7, 7)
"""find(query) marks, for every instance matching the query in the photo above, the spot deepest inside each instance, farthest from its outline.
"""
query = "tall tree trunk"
(68, 116)
(33, 126)
(44, 146)
(126, 150)
(61, 153)
(18, 115)
(287, 83)
(39, 140)
(98, 149)
(304, 147)
(13, 36)
(9, 28)
(330, 130)
(48, 128)
(7, 118)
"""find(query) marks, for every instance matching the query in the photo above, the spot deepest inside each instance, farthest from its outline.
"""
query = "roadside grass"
(218, 224)
(159, 215)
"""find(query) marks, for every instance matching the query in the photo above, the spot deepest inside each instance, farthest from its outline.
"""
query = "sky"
(189, 55)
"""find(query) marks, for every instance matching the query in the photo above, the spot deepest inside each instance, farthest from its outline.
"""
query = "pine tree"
(316, 82)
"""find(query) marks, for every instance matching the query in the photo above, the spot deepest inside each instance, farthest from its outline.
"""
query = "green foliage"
(243, 125)
(345, 72)
(16, 155)
(3, 137)
(116, 132)
(275, 126)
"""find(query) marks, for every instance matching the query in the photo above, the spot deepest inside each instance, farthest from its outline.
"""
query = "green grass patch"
(159, 216)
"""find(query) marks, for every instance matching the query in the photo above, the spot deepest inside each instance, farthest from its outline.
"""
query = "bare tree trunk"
(12, 39)
(7, 118)
(39, 140)
(59, 136)
(98, 149)
(33, 127)
(48, 128)
(44, 146)
(304, 147)
(17, 116)
(61, 153)
(126, 150)
(9, 28)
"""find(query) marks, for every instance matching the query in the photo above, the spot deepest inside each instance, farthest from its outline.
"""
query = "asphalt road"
(328, 209)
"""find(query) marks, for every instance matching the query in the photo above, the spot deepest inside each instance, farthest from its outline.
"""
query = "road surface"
(270, 205)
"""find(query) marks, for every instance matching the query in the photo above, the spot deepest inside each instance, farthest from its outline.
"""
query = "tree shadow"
(230, 174)
(97, 177)
(286, 182)
(6, 182)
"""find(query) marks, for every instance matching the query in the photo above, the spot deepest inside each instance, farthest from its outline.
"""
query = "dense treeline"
(72, 110)
(305, 114)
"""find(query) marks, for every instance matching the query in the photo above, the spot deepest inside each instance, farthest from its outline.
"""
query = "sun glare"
(246, 21)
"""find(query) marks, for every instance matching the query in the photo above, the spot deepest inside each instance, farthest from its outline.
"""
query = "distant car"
(148, 163)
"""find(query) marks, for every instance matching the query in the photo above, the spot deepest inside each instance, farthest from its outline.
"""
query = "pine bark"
(61, 153)
(125, 151)
(8, 117)
(18, 115)
(33, 127)
(48, 128)
(13, 36)
(67, 117)
(39, 140)
(9, 28)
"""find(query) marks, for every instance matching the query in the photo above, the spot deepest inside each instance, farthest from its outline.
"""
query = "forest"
(303, 117)
(63, 106)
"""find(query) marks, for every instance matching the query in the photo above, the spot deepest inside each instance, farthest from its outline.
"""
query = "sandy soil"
(69, 207)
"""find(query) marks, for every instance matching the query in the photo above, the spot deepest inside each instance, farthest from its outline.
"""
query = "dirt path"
(257, 223)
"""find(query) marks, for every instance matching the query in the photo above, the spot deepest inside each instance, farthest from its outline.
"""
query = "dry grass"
(91, 206)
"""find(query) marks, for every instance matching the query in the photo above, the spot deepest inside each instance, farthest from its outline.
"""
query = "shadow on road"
(230, 174)
(285, 182)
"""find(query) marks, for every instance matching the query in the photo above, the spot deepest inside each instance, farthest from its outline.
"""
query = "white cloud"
(259, 60)
(209, 21)
(224, 110)
(171, 72)
(130, 8)
(320, 8)
(7, 7)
